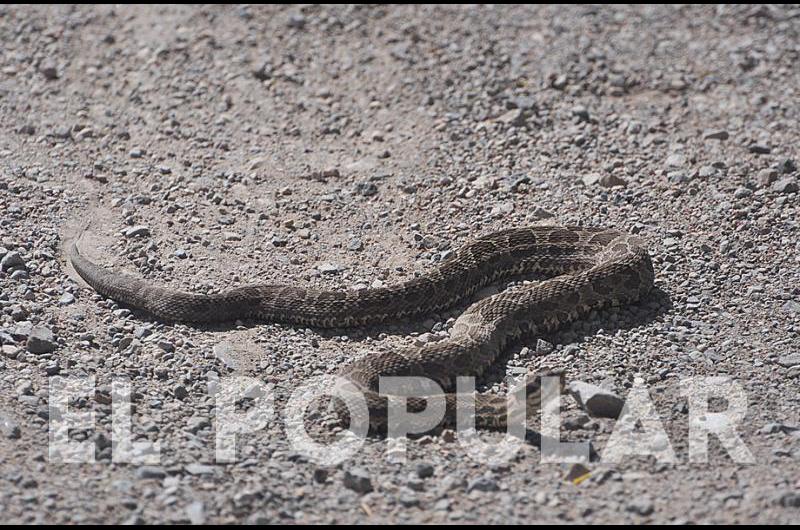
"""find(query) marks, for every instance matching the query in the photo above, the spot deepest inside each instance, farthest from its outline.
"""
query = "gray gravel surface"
(348, 147)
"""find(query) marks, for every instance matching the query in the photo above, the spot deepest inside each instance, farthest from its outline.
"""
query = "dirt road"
(350, 147)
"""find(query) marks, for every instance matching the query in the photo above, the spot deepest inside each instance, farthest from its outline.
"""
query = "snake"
(584, 269)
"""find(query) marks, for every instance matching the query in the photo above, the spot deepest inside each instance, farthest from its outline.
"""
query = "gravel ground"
(353, 146)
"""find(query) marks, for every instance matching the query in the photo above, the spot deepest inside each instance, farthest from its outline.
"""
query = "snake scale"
(587, 268)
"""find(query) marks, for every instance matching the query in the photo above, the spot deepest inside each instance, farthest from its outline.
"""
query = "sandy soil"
(349, 147)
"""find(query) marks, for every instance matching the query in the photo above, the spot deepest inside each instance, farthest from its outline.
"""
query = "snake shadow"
(608, 320)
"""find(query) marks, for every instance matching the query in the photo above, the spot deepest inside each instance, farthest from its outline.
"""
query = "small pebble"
(716, 134)
(66, 299)
(150, 472)
(12, 260)
(41, 340)
(483, 484)
(596, 400)
(137, 231)
(357, 480)
(424, 470)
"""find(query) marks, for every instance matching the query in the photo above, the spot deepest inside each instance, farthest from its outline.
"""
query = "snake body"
(588, 268)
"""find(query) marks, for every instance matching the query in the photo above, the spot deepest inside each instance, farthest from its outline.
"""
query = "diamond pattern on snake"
(587, 269)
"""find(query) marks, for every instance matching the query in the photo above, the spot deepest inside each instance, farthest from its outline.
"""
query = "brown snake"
(589, 268)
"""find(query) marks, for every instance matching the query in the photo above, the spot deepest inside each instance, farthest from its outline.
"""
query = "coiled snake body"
(589, 268)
